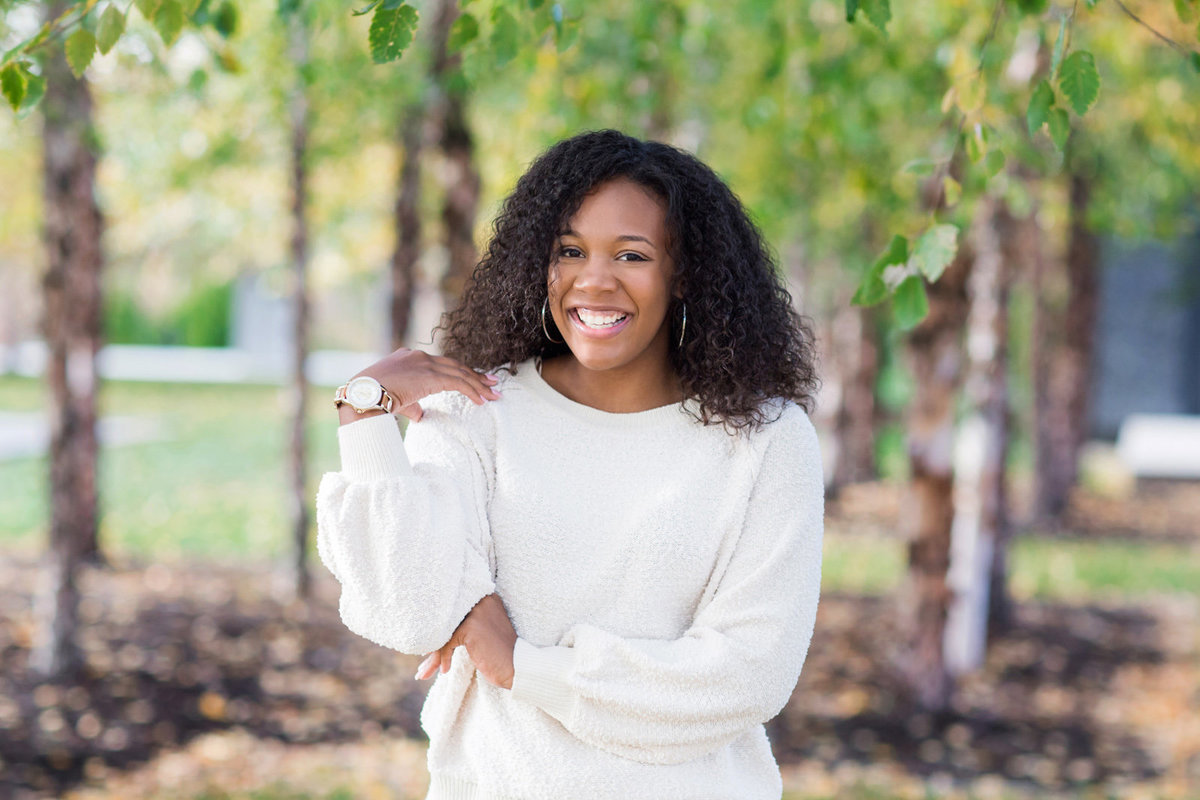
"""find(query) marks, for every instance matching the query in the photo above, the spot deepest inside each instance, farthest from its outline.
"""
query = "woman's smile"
(598, 323)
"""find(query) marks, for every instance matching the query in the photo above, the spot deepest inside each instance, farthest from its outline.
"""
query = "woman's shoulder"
(786, 425)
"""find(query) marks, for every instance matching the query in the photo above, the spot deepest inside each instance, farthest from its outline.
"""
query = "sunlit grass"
(1067, 569)
(214, 486)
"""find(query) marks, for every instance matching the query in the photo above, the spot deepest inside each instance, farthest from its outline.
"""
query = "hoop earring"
(683, 327)
(544, 329)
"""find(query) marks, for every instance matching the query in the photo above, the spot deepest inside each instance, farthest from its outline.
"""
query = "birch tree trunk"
(72, 328)
(299, 117)
(934, 352)
(980, 497)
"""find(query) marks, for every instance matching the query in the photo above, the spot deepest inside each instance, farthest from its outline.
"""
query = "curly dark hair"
(745, 343)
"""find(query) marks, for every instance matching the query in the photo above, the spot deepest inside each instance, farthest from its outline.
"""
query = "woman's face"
(610, 279)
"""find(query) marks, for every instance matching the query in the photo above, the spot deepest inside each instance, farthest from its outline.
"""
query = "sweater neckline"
(670, 414)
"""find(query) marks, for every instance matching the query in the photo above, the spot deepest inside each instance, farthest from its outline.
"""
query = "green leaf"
(148, 8)
(1032, 6)
(392, 5)
(536, 4)
(463, 31)
(873, 289)
(976, 142)
(505, 36)
(365, 9)
(225, 20)
(190, 7)
(910, 303)
(934, 251)
(1056, 58)
(993, 162)
(112, 25)
(12, 84)
(1039, 107)
(565, 36)
(80, 47)
(952, 190)
(169, 20)
(1079, 81)
(1196, 61)
(1185, 9)
(1060, 127)
(878, 11)
(921, 167)
(391, 31)
(851, 10)
(35, 87)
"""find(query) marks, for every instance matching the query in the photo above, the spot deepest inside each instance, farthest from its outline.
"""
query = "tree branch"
(1145, 25)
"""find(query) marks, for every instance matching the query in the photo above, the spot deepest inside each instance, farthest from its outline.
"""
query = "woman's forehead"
(620, 207)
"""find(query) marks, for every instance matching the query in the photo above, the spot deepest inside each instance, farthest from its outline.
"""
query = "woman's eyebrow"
(625, 237)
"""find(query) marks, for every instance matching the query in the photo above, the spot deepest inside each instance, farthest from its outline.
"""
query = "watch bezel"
(379, 393)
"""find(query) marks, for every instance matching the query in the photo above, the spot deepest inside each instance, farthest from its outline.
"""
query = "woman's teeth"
(593, 320)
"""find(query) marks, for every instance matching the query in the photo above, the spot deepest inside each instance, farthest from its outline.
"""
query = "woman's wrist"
(347, 414)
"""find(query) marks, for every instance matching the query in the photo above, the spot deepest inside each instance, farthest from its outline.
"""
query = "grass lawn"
(215, 487)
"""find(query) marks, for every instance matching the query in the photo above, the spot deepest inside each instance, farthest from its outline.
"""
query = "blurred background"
(212, 213)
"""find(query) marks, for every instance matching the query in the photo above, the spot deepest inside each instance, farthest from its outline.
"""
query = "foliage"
(201, 320)
(981, 107)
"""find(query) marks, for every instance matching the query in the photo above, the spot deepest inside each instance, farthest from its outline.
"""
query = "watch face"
(363, 392)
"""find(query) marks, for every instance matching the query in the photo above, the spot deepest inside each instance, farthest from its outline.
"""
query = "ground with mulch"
(186, 661)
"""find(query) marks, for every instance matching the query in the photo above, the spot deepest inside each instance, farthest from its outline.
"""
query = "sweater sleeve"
(669, 701)
(403, 527)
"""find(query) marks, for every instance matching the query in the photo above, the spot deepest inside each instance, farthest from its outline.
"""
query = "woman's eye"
(632, 257)
(570, 252)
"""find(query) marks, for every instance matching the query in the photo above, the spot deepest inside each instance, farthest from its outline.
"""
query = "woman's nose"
(595, 273)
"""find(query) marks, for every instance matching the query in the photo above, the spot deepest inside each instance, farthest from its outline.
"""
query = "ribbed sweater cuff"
(540, 677)
(372, 449)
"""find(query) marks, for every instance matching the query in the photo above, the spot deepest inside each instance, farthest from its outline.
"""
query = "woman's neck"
(622, 391)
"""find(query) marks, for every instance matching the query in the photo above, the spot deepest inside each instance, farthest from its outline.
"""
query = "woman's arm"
(403, 526)
(670, 701)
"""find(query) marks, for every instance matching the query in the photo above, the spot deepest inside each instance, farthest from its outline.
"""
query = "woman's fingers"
(428, 666)
(481, 382)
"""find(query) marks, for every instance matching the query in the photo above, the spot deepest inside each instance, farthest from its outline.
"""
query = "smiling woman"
(604, 525)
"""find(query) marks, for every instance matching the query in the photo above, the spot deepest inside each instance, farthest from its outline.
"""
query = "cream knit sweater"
(662, 577)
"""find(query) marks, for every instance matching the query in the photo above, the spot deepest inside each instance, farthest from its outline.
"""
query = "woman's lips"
(597, 333)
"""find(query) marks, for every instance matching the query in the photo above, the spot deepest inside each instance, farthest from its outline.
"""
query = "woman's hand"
(489, 637)
(410, 375)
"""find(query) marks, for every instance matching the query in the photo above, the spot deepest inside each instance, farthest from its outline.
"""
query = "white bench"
(1160, 445)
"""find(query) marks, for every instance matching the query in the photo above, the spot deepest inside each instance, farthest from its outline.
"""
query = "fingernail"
(493, 377)
(421, 668)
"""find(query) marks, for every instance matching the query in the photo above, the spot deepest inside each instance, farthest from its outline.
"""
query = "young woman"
(604, 522)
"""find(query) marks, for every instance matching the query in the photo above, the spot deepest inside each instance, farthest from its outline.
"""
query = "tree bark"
(408, 224)
(980, 496)
(72, 327)
(1063, 372)
(460, 177)
(299, 113)
(856, 362)
(935, 358)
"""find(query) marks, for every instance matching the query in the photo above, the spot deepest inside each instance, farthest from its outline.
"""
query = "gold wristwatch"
(364, 393)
